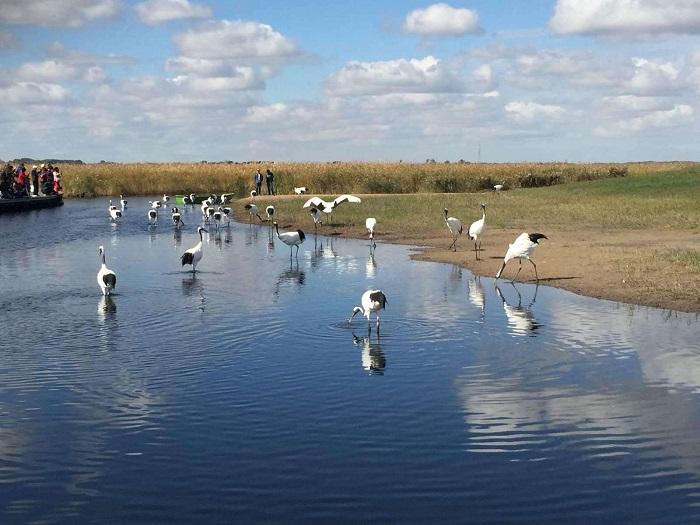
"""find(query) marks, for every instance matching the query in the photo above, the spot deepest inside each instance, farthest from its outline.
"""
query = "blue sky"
(186, 80)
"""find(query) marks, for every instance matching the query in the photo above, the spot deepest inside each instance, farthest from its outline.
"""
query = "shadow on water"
(373, 359)
(521, 319)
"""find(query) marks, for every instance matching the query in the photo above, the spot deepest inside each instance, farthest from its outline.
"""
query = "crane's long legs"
(454, 243)
(535, 267)
(519, 268)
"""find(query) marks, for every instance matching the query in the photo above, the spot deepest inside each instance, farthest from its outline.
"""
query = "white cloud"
(34, 93)
(47, 71)
(679, 115)
(626, 17)
(426, 75)
(652, 77)
(153, 12)
(530, 111)
(442, 20)
(235, 40)
(57, 13)
(245, 78)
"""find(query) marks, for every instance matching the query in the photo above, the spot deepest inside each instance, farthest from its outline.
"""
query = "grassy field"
(664, 200)
(107, 179)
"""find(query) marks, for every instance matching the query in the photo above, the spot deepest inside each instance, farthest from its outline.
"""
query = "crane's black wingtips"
(187, 258)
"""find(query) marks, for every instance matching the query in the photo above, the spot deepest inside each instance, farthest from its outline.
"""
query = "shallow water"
(243, 392)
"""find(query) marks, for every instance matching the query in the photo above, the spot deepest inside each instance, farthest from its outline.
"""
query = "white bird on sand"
(114, 213)
(194, 255)
(122, 201)
(329, 207)
(370, 224)
(372, 301)
(477, 229)
(455, 227)
(300, 190)
(155, 204)
(177, 217)
(106, 278)
(522, 248)
(497, 187)
(153, 216)
(270, 210)
(291, 239)
(253, 211)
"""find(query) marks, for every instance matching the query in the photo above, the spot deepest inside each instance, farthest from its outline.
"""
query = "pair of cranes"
(522, 248)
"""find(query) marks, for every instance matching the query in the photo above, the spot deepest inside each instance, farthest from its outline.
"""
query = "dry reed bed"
(92, 180)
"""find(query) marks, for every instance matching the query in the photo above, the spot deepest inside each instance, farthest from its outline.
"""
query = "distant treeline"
(321, 178)
(29, 160)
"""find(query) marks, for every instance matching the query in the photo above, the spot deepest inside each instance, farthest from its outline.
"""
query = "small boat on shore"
(30, 203)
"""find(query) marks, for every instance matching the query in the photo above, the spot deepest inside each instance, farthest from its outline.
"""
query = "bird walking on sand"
(522, 248)
(372, 301)
(370, 224)
(194, 255)
(291, 239)
(455, 227)
(300, 190)
(106, 278)
(477, 229)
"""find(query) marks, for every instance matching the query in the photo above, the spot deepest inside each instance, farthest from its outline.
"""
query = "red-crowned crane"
(370, 224)
(522, 248)
(372, 301)
(106, 278)
(291, 239)
(455, 227)
(477, 229)
(194, 255)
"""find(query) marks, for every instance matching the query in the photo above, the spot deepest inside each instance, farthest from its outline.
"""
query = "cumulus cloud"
(32, 93)
(426, 75)
(652, 77)
(531, 111)
(442, 20)
(626, 17)
(57, 13)
(47, 71)
(241, 40)
(679, 115)
(153, 12)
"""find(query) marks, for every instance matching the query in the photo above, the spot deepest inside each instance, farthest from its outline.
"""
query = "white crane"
(106, 278)
(316, 216)
(372, 301)
(370, 224)
(218, 217)
(194, 255)
(155, 204)
(166, 199)
(329, 207)
(270, 211)
(114, 213)
(522, 248)
(122, 201)
(177, 217)
(455, 227)
(300, 190)
(205, 210)
(253, 194)
(477, 229)
(189, 199)
(291, 239)
(253, 211)
(152, 216)
(497, 187)
(224, 198)
(227, 215)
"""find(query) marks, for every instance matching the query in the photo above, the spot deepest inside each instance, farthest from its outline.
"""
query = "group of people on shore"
(15, 183)
(269, 181)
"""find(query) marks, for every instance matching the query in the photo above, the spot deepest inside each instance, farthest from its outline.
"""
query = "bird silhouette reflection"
(373, 359)
(521, 319)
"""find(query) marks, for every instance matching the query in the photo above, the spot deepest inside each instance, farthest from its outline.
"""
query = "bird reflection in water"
(477, 297)
(373, 359)
(194, 288)
(106, 307)
(177, 236)
(292, 276)
(251, 235)
(371, 266)
(521, 320)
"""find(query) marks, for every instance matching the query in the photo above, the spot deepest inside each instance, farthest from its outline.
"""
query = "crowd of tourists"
(16, 183)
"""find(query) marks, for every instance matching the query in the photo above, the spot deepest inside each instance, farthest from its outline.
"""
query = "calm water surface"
(243, 394)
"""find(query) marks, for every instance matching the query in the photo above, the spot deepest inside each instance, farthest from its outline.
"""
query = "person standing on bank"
(258, 181)
(270, 180)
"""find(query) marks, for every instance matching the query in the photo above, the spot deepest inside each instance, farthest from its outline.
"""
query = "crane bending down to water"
(370, 224)
(455, 227)
(194, 255)
(291, 239)
(253, 210)
(522, 248)
(477, 229)
(372, 301)
(106, 278)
